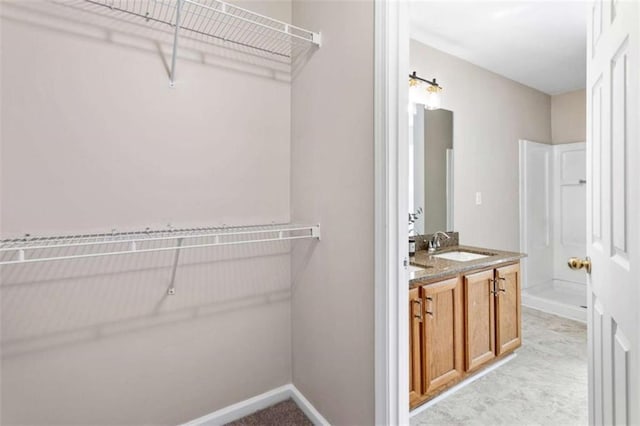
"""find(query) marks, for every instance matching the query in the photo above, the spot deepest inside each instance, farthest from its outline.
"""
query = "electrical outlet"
(478, 198)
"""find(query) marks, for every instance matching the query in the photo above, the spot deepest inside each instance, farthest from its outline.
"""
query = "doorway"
(612, 206)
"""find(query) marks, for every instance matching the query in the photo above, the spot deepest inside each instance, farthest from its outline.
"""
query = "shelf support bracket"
(172, 78)
(316, 39)
(172, 286)
(315, 232)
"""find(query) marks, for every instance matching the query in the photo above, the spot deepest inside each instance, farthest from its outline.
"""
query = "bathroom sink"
(461, 256)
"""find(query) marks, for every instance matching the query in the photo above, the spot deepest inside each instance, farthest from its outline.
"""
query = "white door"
(613, 218)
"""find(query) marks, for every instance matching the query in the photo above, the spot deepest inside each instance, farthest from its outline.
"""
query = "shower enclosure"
(553, 227)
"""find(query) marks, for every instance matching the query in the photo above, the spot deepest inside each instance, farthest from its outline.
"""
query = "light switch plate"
(478, 198)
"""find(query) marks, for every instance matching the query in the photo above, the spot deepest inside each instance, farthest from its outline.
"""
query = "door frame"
(391, 153)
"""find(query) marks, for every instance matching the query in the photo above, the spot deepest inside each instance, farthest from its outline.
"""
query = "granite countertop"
(439, 268)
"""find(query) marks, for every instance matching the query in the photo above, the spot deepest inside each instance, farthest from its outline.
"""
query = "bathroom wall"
(491, 113)
(569, 117)
(332, 181)
(93, 138)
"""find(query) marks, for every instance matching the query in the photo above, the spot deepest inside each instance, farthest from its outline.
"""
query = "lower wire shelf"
(31, 249)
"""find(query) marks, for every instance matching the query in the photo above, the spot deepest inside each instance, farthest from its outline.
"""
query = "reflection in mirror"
(431, 171)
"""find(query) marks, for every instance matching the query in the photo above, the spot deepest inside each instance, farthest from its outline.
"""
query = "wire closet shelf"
(46, 249)
(221, 21)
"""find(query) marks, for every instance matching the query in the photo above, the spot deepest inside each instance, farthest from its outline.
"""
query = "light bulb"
(433, 98)
(415, 95)
(427, 95)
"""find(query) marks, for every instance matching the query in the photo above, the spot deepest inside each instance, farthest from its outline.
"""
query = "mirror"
(431, 171)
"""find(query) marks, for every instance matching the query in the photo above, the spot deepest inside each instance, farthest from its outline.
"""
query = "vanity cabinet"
(492, 314)
(508, 315)
(480, 322)
(460, 324)
(436, 339)
(415, 343)
(442, 348)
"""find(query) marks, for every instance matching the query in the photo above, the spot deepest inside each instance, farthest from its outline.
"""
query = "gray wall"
(96, 138)
(93, 139)
(491, 114)
(569, 117)
(332, 181)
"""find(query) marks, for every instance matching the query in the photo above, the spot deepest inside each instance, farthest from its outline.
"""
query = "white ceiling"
(541, 44)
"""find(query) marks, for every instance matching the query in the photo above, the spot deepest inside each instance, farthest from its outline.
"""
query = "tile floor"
(546, 384)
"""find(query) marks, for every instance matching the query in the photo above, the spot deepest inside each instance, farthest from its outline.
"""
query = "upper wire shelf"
(221, 21)
(45, 249)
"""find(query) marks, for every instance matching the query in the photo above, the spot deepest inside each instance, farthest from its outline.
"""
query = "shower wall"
(552, 211)
(536, 226)
(569, 193)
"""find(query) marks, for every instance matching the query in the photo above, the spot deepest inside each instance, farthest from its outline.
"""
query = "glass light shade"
(427, 95)
(417, 94)
(433, 98)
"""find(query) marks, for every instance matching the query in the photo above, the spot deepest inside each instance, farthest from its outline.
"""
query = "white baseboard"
(553, 307)
(257, 403)
(306, 407)
(461, 385)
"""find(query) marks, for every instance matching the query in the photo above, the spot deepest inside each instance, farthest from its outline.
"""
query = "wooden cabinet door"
(443, 335)
(415, 345)
(480, 324)
(508, 329)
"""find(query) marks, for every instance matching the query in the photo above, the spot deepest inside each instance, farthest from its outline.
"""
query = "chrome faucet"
(434, 242)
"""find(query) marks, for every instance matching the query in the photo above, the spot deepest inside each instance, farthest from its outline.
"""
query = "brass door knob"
(577, 263)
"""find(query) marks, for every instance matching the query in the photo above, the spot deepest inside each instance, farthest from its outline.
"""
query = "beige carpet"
(546, 384)
(285, 413)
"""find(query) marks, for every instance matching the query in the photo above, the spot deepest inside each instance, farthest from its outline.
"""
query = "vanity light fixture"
(428, 96)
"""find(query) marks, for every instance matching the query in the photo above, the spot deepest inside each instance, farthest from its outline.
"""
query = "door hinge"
(405, 263)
